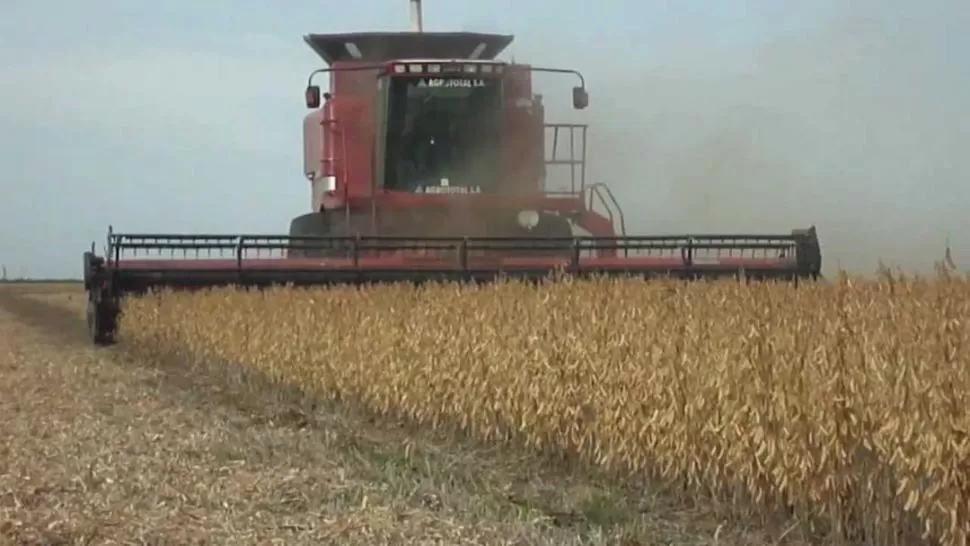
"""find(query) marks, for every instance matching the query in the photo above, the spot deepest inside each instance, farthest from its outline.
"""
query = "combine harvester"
(427, 160)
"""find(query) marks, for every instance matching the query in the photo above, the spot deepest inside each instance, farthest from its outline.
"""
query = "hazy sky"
(185, 116)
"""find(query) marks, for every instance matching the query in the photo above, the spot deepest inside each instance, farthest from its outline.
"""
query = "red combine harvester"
(428, 159)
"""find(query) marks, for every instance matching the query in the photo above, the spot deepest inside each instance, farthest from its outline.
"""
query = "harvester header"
(429, 158)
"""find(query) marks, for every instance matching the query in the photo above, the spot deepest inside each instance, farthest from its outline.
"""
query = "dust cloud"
(854, 122)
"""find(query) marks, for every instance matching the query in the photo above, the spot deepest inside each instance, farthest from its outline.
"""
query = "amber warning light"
(447, 68)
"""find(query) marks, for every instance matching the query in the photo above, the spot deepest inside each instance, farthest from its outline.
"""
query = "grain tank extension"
(429, 158)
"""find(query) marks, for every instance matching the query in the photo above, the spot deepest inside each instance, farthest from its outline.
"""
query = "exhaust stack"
(416, 23)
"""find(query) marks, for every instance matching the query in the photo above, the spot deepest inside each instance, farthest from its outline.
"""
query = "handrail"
(576, 160)
(595, 189)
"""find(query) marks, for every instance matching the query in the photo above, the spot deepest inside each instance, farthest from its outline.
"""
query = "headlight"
(528, 219)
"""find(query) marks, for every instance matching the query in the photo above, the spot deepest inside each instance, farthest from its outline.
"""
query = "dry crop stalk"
(844, 403)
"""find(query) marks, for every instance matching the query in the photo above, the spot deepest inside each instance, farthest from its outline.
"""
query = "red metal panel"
(523, 147)
(348, 144)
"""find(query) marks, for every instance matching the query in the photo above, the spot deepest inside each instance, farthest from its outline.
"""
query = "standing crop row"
(844, 403)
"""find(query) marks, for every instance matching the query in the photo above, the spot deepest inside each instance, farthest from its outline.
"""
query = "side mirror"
(312, 96)
(580, 98)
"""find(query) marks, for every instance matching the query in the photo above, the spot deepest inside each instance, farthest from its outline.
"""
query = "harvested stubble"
(843, 403)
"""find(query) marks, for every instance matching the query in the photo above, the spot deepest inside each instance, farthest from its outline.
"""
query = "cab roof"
(386, 46)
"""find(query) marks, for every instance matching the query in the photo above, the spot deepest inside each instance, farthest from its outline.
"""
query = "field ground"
(103, 449)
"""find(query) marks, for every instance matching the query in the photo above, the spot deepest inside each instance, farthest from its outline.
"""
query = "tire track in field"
(510, 497)
(52, 320)
(316, 475)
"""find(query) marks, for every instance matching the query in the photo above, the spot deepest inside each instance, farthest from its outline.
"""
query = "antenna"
(416, 23)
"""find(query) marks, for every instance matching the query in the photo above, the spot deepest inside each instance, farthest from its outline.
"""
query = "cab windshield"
(442, 134)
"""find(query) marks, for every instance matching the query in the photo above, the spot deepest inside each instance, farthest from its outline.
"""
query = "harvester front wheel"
(313, 224)
(555, 227)
(102, 321)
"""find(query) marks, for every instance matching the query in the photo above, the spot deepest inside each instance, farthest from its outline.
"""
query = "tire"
(313, 224)
(317, 224)
(101, 322)
(555, 226)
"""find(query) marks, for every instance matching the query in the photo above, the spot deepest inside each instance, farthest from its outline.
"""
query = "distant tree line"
(27, 279)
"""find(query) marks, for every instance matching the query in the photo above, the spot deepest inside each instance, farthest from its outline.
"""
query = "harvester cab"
(428, 158)
(424, 135)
